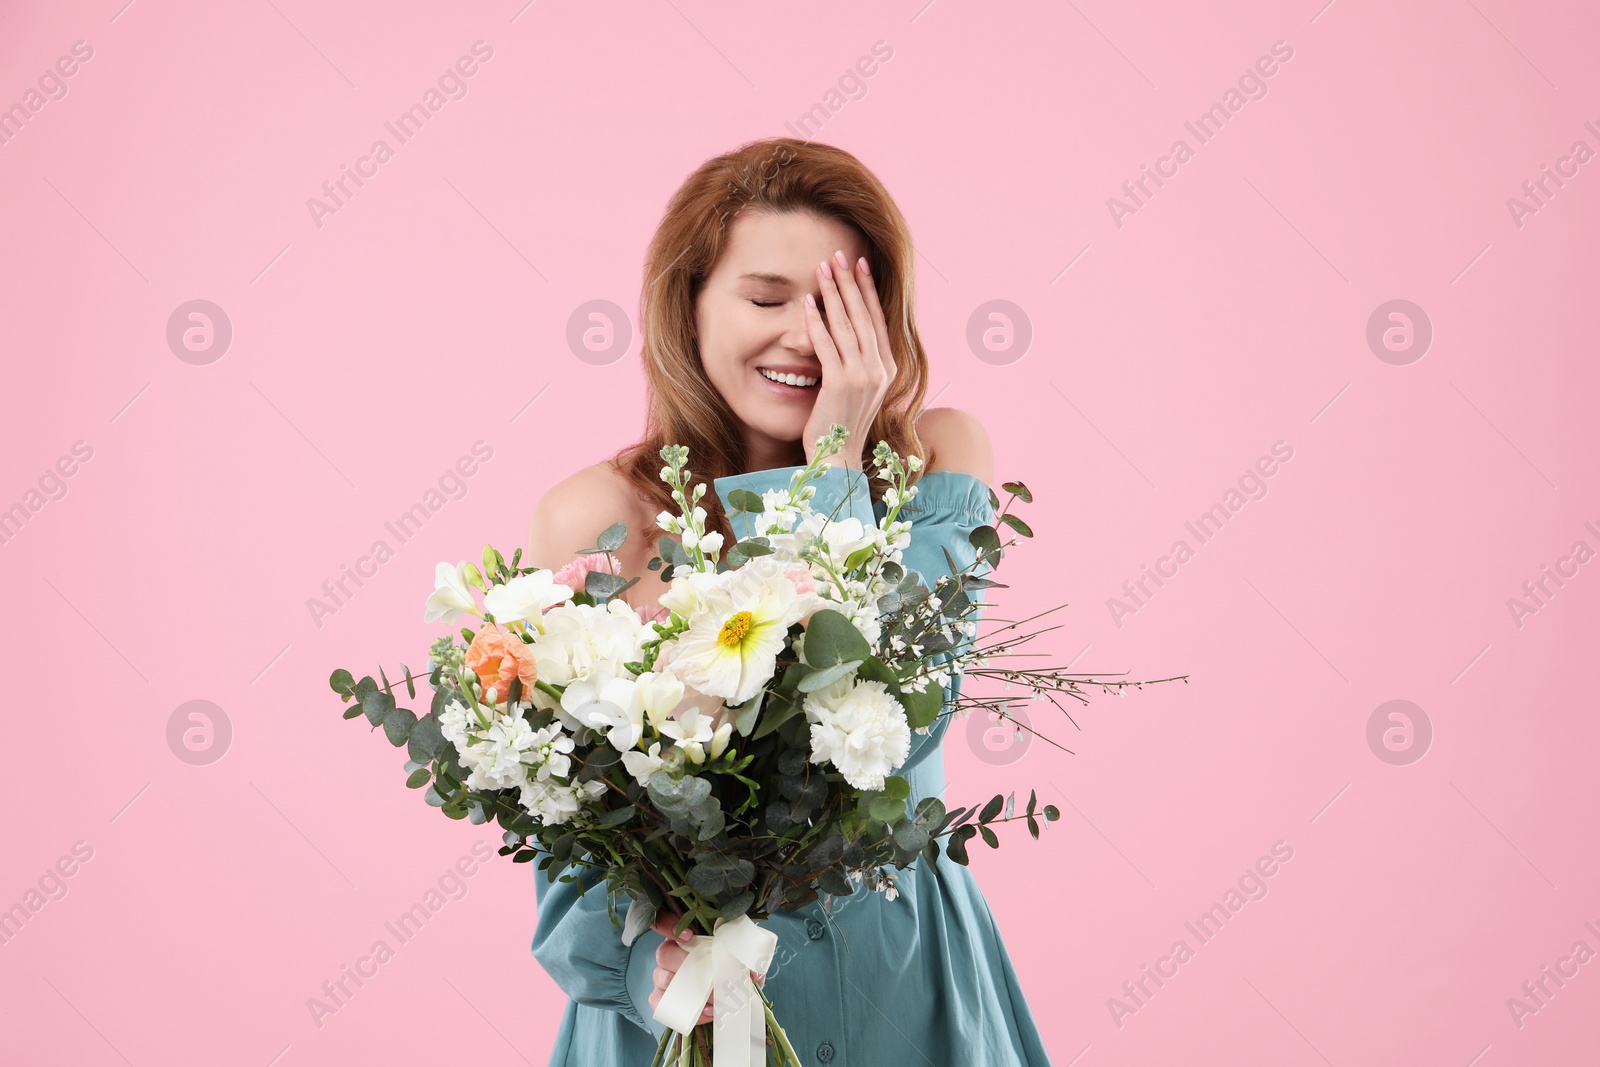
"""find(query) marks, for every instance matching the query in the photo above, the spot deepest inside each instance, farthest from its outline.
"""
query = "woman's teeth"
(789, 379)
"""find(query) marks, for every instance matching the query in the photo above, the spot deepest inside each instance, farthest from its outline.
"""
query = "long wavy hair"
(781, 174)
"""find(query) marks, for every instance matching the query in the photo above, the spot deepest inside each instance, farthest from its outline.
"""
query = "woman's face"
(750, 315)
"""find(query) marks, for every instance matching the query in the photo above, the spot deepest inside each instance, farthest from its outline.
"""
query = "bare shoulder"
(573, 512)
(956, 441)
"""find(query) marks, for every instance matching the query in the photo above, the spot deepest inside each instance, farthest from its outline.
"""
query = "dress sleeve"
(582, 950)
(841, 493)
(948, 507)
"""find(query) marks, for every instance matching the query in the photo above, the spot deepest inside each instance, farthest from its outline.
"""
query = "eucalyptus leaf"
(376, 704)
(613, 537)
(426, 742)
(720, 875)
(909, 836)
(832, 638)
(397, 725)
(822, 678)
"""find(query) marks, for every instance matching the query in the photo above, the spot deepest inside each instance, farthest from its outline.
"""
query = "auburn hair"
(779, 175)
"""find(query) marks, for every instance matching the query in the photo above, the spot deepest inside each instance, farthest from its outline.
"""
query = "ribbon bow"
(723, 961)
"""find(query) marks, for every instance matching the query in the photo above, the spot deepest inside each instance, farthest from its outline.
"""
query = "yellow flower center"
(734, 629)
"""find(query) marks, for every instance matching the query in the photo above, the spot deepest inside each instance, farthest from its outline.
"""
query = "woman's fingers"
(840, 328)
(865, 335)
(670, 954)
(821, 340)
(880, 324)
(666, 922)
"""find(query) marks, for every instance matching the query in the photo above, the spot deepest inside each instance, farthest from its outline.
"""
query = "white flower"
(778, 514)
(556, 802)
(547, 752)
(585, 643)
(735, 634)
(525, 597)
(659, 694)
(624, 703)
(691, 732)
(711, 543)
(688, 591)
(643, 764)
(450, 598)
(858, 726)
(838, 539)
(496, 758)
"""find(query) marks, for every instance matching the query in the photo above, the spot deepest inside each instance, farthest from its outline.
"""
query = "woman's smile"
(789, 382)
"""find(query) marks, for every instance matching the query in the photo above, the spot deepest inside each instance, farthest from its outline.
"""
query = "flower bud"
(719, 739)
(474, 576)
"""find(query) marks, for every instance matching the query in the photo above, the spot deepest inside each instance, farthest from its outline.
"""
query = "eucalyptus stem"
(775, 1031)
(661, 1047)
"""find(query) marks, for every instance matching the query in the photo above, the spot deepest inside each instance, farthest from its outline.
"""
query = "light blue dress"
(920, 980)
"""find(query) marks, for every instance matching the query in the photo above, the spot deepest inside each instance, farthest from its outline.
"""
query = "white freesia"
(643, 764)
(692, 731)
(450, 598)
(525, 597)
(658, 694)
(860, 727)
(624, 704)
(838, 539)
(688, 591)
(735, 634)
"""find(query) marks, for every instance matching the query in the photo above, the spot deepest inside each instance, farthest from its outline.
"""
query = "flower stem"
(776, 1032)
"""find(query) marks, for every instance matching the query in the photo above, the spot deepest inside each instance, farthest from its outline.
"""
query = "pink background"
(1167, 354)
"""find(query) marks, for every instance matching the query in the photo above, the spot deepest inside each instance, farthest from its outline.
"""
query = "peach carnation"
(497, 657)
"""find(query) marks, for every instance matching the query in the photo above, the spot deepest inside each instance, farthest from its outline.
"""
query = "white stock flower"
(779, 513)
(498, 756)
(525, 597)
(556, 802)
(450, 598)
(858, 726)
(547, 753)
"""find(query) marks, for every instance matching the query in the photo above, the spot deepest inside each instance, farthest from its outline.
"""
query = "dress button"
(825, 1052)
(814, 928)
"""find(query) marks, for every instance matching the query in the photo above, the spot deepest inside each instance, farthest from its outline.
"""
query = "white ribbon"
(723, 961)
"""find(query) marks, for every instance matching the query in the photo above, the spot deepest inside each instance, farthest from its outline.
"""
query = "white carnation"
(858, 726)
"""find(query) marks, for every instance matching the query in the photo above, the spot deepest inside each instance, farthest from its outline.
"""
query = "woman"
(788, 259)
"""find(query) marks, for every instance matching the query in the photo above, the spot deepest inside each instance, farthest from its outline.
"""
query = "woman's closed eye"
(767, 304)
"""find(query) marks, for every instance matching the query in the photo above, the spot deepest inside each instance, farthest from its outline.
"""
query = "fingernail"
(864, 268)
(811, 301)
(839, 255)
(827, 271)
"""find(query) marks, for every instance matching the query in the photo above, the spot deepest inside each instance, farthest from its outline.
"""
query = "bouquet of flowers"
(730, 759)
